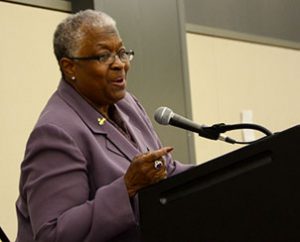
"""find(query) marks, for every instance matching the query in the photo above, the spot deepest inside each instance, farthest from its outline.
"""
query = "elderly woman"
(93, 146)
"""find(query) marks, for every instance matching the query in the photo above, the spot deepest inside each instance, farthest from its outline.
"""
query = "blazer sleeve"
(56, 190)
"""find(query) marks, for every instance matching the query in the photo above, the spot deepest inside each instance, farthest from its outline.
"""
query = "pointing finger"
(157, 154)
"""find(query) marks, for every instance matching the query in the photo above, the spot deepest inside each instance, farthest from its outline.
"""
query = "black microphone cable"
(222, 128)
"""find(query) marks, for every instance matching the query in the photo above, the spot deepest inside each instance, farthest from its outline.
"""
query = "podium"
(249, 195)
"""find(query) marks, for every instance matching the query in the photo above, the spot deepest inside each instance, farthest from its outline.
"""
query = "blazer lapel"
(136, 133)
(96, 122)
(118, 140)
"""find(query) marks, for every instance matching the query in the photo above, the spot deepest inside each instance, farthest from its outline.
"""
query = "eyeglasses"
(109, 58)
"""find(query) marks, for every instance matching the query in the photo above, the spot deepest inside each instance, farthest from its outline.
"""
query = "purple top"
(72, 177)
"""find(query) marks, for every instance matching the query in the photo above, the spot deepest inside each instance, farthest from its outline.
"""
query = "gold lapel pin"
(101, 121)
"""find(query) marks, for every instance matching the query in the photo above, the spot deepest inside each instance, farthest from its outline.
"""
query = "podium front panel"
(251, 194)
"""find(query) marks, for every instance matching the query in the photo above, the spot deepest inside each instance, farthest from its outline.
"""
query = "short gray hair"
(68, 34)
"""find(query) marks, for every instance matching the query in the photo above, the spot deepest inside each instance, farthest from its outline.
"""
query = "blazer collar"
(94, 120)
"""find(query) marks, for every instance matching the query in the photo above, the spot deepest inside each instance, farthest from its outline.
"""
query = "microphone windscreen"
(162, 115)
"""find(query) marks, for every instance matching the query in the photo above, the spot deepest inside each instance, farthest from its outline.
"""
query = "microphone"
(165, 116)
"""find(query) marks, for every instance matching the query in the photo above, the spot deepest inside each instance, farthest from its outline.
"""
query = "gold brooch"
(101, 121)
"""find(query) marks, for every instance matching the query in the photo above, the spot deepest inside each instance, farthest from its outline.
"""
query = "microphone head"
(162, 115)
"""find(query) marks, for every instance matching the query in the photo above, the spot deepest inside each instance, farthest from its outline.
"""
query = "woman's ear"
(68, 68)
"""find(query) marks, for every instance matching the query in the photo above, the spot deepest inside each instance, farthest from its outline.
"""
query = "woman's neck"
(104, 110)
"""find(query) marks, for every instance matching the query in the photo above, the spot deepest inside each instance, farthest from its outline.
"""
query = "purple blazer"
(72, 177)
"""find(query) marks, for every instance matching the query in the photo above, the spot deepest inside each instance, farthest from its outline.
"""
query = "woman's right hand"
(142, 171)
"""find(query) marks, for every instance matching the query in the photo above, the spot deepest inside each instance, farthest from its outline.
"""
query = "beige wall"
(28, 74)
(229, 76)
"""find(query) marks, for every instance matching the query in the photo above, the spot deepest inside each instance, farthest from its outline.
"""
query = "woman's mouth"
(120, 82)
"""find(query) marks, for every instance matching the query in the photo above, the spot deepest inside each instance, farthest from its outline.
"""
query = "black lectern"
(251, 194)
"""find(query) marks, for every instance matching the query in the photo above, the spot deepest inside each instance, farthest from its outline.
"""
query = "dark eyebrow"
(102, 45)
(105, 46)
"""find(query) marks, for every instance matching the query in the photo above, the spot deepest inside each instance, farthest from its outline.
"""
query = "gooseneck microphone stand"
(217, 129)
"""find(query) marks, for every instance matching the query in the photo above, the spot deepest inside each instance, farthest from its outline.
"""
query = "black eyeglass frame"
(129, 53)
